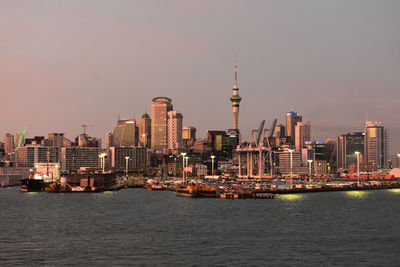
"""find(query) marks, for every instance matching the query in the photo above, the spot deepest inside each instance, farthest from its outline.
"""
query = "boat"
(197, 191)
(35, 183)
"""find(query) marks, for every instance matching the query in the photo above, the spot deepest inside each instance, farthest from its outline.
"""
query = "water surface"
(140, 227)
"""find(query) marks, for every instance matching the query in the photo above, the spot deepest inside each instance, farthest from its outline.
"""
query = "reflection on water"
(394, 190)
(357, 194)
(291, 197)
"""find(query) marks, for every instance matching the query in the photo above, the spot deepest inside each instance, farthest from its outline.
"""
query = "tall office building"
(174, 129)
(279, 131)
(302, 134)
(126, 133)
(347, 145)
(292, 118)
(376, 144)
(144, 126)
(75, 158)
(188, 133)
(235, 99)
(29, 155)
(8, 143)
(139, 157)
(159, 122)
(58, 140)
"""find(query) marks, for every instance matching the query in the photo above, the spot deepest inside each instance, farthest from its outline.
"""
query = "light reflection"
(394, 190)
(291, 197)
(356, 194)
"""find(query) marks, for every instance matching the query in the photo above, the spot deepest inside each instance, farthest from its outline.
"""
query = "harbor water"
(156, 228)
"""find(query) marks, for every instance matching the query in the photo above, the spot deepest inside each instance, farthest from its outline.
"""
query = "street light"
(187, 158)
(309, 168)
(398, 162)
(183, 166)
(102, 160)
(126, 166)
(212, 164)
(358, 167)
(291, 167)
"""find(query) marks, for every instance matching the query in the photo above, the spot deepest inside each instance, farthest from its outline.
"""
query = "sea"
(136, 227)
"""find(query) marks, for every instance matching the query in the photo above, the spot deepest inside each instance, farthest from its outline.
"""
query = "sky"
(68, 63)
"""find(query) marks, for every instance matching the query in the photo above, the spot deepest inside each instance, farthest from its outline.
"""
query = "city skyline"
(53, 87)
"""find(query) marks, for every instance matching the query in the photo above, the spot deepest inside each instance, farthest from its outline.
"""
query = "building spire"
(236, 70)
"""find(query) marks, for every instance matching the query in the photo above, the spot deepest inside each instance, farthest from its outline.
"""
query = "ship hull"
(32, 185)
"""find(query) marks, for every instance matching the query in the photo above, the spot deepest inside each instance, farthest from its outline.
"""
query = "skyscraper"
(347, 145)
(292, 118)
(188, 133)
(174, 129)
(145, 130)
(279, 131)
(235, 99)
(302, 134)
(159, 122)
(126, 133)
(8, 143)
(376, 143)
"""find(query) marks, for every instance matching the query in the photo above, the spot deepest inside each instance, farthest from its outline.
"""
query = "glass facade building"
(159, 122)
(347, 145)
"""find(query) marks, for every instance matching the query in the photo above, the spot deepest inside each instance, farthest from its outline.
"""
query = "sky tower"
(235, 99)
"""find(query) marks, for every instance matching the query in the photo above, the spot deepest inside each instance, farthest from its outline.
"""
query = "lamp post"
(183, 166)
(212, 164)
(102, 161)
(126, 166)
(187, 158)
(398, 161)
(291, 167)
(309, 168)
(358, 167)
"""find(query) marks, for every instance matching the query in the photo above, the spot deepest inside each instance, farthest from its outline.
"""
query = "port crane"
(254, 154)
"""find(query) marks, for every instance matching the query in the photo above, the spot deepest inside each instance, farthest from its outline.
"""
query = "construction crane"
(21, 138)
(85, 126)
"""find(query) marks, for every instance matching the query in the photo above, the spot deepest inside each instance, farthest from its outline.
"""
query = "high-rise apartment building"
(159, 122)
(302, 134)
(174, 129)
(376, 144)
(347, 145)
(144, 126)
(292, 118)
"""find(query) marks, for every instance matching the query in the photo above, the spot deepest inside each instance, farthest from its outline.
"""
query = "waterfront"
(140, 227)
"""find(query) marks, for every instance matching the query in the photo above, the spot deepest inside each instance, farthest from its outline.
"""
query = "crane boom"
(21, 138)
(259, 132)
(271, 132)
